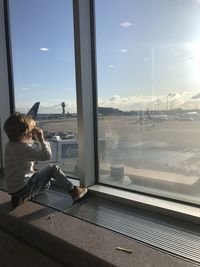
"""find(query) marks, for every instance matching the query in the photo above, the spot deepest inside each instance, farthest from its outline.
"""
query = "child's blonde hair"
(17, 125)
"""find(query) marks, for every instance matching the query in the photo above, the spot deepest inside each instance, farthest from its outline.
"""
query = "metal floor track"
(171, 235)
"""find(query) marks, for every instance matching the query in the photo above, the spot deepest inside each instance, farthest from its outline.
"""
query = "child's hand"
(38, 134)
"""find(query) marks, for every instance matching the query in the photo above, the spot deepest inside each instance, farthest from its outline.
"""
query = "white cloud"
(126, 24)
(111, 66)
(44, 49)
(146, 59)
(171, 95)
(24, 89)
(197, 96)
(114, 98)
(123, 50)
(141, 102)
(172, 100)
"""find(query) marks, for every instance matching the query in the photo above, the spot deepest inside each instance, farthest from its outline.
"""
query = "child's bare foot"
(78, 192)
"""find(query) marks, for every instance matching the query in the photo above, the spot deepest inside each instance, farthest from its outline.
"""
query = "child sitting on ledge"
(22, 181)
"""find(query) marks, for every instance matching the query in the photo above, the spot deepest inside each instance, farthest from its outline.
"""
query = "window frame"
(86, 82)
(85, 64)
(7, 104)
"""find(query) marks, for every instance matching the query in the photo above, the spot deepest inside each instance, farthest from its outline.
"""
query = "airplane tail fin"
(34, 110)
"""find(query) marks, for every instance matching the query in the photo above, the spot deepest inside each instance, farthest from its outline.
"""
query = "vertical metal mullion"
(9, 55)
(86, 91)
(6, 96)
(94, 84)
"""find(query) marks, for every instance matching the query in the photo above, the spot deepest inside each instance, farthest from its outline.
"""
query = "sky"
(148, 52)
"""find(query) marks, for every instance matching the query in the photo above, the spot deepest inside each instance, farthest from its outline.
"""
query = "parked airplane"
(153, 118)
(188, 116)
(157, 117)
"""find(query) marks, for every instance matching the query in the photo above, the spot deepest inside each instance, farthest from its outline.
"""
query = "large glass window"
(44, 71)
(148, 62)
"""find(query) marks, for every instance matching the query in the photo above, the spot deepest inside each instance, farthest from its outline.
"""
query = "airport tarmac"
(169, 147)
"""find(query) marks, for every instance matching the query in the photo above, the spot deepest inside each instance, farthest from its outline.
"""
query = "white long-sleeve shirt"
(19, 161)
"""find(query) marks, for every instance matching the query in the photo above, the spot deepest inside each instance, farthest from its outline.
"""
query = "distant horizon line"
(130, 111)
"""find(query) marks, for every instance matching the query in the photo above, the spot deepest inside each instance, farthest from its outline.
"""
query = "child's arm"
(38, 134)
(44, 153)
(31, 154)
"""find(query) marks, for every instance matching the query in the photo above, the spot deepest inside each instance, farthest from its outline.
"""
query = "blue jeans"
(40, 181)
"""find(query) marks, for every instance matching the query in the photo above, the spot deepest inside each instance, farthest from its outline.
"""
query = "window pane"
(44, 71)
(148, 61)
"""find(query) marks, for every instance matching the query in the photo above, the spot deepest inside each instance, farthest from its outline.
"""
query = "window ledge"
(74, 242)
(170, 208)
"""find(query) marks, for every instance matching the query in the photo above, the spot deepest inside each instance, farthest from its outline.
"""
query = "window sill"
(170, 208)
(74, 242)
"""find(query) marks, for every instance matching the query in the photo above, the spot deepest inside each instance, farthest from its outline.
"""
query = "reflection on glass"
(44, 72)
(148, 61)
